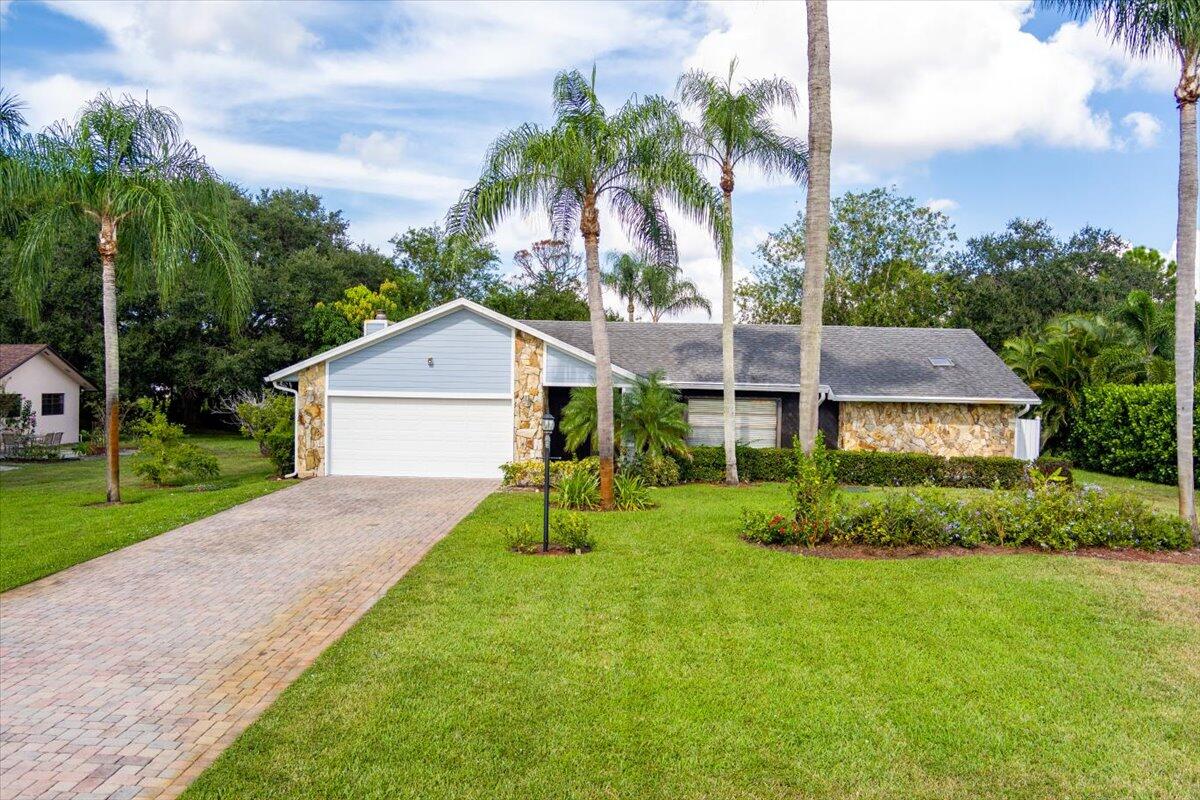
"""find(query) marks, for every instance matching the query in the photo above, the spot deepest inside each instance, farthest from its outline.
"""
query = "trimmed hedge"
(1127, 430)
(868, 468)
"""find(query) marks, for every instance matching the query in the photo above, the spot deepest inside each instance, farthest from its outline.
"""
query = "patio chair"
(53, 439)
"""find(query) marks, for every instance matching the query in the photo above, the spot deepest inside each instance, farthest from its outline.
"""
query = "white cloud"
(943, 204)
(1143, 127)
(377, 149)
(911, 80)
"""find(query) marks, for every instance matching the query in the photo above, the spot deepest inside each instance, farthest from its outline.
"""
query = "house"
(460, 389)
(36, 373)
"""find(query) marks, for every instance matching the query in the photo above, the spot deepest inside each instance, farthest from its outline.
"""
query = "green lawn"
(678, 662)
(1164, 499)
(53, 515)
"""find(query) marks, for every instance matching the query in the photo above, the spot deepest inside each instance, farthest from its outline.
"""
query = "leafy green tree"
(448, 265)
(546, 285)
(887, 260)
(158, 210)
(630, 161)
(1171, 27)
(665, 292)
(735, 128)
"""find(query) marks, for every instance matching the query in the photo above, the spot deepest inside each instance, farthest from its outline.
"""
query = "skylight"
(941, 361)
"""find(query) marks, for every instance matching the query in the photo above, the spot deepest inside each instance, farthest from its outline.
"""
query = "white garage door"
(432, 438)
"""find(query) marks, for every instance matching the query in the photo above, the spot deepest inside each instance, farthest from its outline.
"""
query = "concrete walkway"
(127, 675)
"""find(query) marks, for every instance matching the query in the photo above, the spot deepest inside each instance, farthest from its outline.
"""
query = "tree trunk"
(589, 226)
(729, 406)
(112, 382)
(630, 308)
(816, 218)
(1185, 301)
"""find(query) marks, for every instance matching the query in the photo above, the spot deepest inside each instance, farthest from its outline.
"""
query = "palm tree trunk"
(729, 406)
(630, 308)
(1185, 313)
(590, 228)
(816, 219)
(112, 382)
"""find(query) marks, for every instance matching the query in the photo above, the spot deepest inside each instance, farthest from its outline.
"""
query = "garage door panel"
(424, 437)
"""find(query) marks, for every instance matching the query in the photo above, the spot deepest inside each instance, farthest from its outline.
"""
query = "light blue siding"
(564, 369)
(470, 354)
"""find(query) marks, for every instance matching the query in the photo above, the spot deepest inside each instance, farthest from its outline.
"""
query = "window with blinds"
(756, 421)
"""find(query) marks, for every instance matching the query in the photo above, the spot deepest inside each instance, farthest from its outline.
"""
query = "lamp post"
(547, 429)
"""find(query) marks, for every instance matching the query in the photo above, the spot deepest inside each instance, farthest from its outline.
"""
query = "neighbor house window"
(755, 420)
(10, 405)
(52, 404)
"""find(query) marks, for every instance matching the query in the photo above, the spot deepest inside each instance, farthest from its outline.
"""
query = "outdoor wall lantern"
(547, 429)
(429, 361)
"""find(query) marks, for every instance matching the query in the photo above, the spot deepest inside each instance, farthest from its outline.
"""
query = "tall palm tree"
(631, 161)
(1146, 28)
(664, 291)
(158, 211)
(735, 128)
(624, 276)
(816, 218)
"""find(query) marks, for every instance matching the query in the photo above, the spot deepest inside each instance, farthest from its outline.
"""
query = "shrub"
(530, 474)
(572, 531)
(523, 539)
(814, 492)
(703, 464)
(268, 420)
(653, 470)
(630, 493)
(762, 527)
(579, 489)
(1126, 430)
(165, 459)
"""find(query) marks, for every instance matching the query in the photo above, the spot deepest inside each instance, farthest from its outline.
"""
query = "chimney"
(372, 325)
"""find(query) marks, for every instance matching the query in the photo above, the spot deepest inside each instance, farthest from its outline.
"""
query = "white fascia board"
(863, 398)
(429, 316)
(744, 387)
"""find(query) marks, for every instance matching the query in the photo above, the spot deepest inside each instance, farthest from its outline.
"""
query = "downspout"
(295, 426)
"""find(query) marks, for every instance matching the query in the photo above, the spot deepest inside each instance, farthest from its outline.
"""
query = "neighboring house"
(460, 389)
(36, 373)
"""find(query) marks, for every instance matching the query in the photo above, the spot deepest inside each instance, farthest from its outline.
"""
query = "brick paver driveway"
(127, 675)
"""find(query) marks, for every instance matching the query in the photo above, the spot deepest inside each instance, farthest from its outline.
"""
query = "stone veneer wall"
(529, 397)
(310, 427)
(945, 429)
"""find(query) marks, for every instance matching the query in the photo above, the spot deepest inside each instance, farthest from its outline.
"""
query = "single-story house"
(36, 373)
(460, 389)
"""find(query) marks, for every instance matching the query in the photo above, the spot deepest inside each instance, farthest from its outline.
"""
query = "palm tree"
(664, 291)
(1146, 28)
(631, 160)
(654, 419)
(735, 127)
(159, 213)
(816, 218)
(12, 121)
(624, 276)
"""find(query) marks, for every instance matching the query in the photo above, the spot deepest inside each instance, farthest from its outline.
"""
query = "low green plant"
(631, 493)
(531, 473)
(653, 470)
(814, 492)
(579, 490)
(523, 539)
(572, 531)
(268, 420)
(763, 527)
(164, 457)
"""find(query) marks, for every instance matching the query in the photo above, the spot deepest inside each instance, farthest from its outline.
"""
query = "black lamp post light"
(547, 429)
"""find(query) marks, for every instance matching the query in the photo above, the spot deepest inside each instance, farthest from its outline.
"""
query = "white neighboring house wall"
(37, 376)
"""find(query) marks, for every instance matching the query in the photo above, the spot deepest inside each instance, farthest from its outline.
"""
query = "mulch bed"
(865, 552)
(555, 550)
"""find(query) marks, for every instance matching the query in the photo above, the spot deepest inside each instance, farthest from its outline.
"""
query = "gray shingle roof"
(855, 362)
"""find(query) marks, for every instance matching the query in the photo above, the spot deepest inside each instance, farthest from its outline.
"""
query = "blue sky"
(985, 110)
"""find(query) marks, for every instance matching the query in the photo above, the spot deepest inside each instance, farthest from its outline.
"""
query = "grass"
(53, 515)
(1164, 499)
(678, 662)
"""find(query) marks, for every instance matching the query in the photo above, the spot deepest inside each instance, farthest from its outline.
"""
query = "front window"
(756, 421)
(53, 404)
